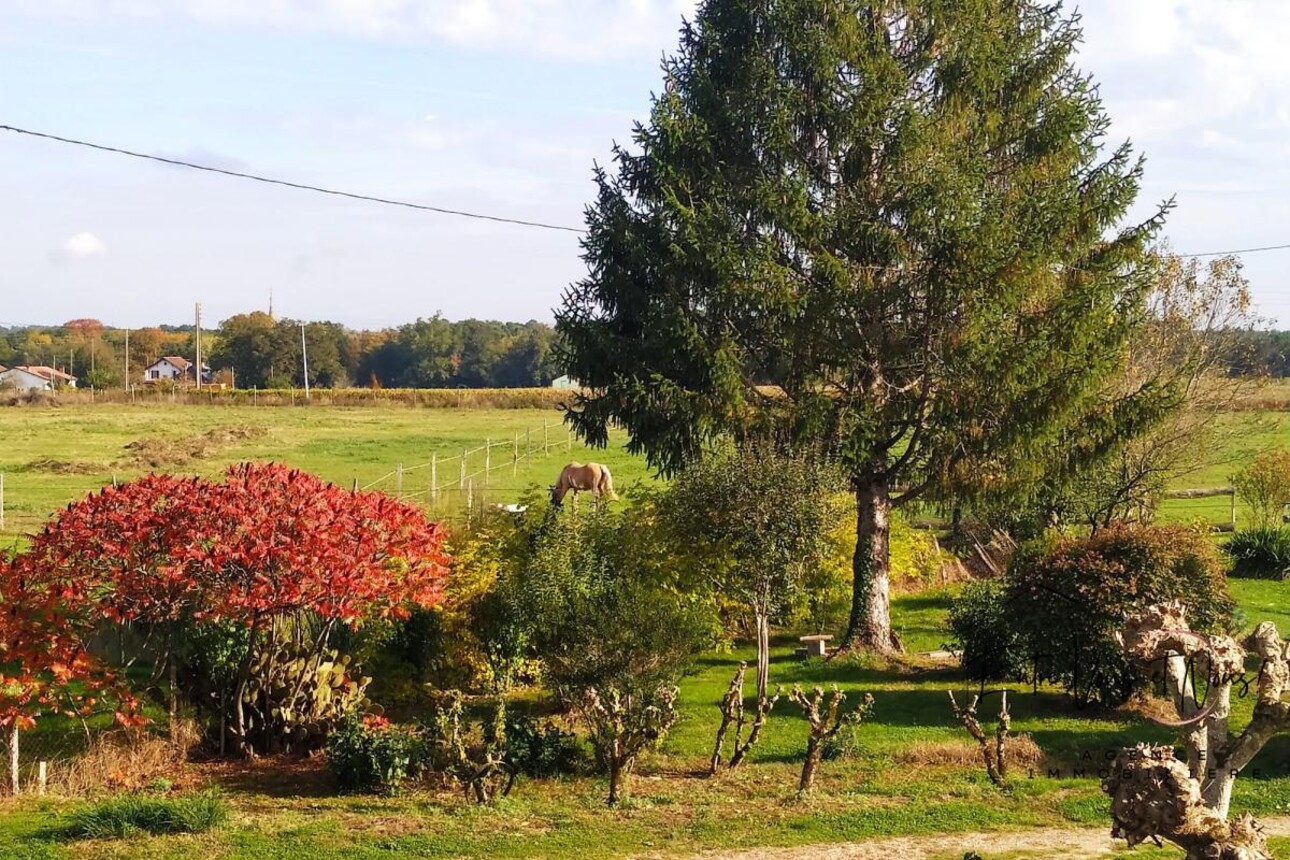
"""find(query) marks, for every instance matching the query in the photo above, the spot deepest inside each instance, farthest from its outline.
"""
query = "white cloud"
(83, 245)
(573, 29)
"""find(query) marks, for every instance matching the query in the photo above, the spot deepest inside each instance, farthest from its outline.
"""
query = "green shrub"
(1068, 599)
(1264, 485)
(1260, 552)
(992, 646)
(370, 755)
(130, 814)
(540, 750)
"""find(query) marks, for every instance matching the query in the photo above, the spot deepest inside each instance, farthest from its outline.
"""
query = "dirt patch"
(1076, 843)
(51, 466)
(162, 452)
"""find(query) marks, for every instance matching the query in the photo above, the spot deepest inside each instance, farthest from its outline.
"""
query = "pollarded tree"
(891, 228)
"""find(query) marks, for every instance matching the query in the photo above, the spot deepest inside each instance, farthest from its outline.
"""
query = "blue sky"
(491, 105)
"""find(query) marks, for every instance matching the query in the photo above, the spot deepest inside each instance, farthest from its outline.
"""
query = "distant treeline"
(257, 350)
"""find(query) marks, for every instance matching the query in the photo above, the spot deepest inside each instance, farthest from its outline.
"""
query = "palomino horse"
(578, 478)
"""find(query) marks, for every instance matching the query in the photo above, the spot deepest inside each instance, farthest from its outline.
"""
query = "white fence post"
(13, 758)
(398, 480)
(515, 456)
(434, 477)
(488, 459)
(461, 480)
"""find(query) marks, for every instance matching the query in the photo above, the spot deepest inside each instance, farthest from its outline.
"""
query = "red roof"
(49, 373)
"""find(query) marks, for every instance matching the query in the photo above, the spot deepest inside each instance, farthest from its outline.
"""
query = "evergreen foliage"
(892, 229)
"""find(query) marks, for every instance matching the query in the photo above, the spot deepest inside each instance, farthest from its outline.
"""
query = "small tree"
(1154, 796)
(825, 722)
(754, 519)
(1264, 485)
(622, 725)
(732, 713)
(994, 756)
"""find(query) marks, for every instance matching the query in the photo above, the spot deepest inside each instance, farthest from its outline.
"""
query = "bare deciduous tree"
(622, 725)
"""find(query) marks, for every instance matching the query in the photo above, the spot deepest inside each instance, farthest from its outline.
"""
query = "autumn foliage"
(266, 544)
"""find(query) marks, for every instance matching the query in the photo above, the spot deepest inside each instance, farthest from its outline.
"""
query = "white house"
(36, 378)
(173, 368)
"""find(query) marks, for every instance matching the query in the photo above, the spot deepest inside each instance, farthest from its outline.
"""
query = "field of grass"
(53, 456)
(913, 775)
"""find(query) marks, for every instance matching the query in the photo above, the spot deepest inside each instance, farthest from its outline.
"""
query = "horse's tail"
(607, 483)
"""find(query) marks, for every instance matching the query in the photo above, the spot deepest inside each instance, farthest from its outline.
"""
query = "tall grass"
(424, 398)
(130, 814)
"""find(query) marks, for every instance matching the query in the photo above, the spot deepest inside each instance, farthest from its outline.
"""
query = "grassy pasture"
(52, 456)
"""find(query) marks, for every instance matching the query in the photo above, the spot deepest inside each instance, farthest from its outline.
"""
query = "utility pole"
(198, 373)
(304, 358)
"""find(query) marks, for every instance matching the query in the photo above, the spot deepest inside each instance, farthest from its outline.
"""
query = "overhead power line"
(287, 184)
(420, 206)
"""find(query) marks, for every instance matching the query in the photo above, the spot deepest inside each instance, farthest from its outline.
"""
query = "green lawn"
(898, 785)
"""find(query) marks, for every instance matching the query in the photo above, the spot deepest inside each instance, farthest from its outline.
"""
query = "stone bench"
(815, 646)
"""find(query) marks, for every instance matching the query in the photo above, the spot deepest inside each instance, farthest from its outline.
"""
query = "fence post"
(356, 485)
(13, 758)
(569, 443)
(42, 776)
(434, 477)
(1233, 509)
(461, 481)
(528, 443)
(398, 480)
(1, 500)
(255, 395)
(488, 459)
(470, 500)
(515, 456)
(545, 439)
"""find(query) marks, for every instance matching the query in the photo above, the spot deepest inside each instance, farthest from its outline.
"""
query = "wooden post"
(461, 480)
(356, 485)
(488, 459)
(42, 777)
(1, 500)
(569, 444)
(13, 758)
(515, 456)
(528, 443)
(470, 499)
(434, 477)
(545, 439)
(398, 480)
(1233, 509)
(255, 395)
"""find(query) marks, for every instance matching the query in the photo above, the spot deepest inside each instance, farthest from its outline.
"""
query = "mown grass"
(889, 789)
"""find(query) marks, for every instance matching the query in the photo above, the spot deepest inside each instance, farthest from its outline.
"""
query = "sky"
(494, 106)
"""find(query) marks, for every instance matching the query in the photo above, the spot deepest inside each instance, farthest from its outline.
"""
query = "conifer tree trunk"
(869, 627)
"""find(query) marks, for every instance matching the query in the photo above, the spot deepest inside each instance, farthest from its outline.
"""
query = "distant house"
(36, 378)
(565, 381)
(173, 368)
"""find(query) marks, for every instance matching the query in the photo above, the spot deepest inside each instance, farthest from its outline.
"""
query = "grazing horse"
(578, 478)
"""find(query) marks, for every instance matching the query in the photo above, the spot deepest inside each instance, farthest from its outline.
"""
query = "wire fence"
(450, 486)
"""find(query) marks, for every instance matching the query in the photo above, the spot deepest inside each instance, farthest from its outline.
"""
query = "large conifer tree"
(891, 228)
